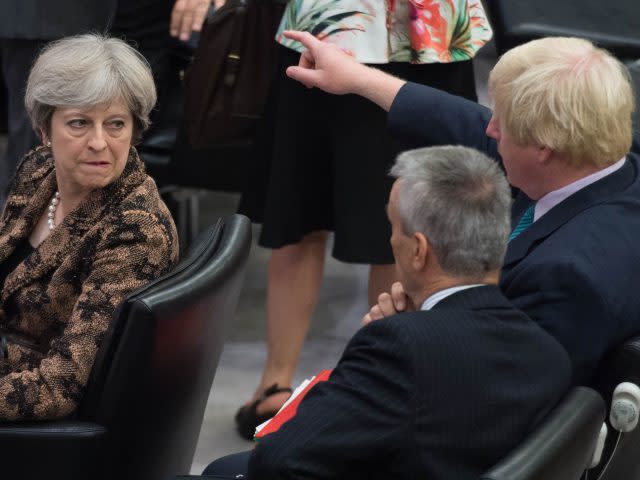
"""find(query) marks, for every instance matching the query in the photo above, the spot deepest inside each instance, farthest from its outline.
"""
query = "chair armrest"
(560, 447)
(54, 450)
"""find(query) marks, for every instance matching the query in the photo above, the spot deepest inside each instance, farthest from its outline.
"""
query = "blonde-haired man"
(562, 131)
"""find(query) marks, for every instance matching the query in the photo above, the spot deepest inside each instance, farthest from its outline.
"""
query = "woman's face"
(90, 147)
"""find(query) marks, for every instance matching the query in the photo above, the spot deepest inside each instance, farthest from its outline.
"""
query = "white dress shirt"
(430, 302)
(551, 199)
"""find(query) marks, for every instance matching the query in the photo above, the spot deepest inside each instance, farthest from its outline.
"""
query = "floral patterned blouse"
(383, 31)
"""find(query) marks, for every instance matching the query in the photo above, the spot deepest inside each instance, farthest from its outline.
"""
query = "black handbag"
(227, 82)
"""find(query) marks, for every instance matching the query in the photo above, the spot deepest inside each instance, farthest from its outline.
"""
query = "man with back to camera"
(562, 131)
(443, 392)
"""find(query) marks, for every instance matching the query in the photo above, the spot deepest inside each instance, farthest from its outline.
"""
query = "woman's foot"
(260, 410)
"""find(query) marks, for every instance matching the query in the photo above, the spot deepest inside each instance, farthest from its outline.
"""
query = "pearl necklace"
(52, 210)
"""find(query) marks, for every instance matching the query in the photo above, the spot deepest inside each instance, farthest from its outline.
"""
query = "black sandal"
(247, 418)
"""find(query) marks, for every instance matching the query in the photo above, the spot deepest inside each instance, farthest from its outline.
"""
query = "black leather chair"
(612, 25)
(141, 415)
(623, 462)
(561, 447)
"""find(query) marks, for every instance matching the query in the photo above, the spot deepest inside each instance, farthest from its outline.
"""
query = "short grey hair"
(460, 200)
(88, 70)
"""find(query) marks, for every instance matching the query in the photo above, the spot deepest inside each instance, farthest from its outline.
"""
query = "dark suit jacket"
(576, 270)
(441, 394)
(62, 297)
(50, 19)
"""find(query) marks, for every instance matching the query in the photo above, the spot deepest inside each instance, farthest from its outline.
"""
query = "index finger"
(398, 295)
(305, 38)
(386, 305)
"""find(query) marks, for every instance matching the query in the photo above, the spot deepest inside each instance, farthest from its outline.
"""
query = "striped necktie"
(525, 221)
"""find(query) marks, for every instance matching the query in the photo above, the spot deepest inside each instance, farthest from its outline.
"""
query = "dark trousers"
(232, 466)
(17, 58)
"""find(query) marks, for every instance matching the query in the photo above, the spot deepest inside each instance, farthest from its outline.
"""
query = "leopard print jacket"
(61, 298)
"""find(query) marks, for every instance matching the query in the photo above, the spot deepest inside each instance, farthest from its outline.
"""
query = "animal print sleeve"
(133, 251)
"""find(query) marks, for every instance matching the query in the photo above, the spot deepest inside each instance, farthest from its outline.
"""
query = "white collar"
(430, 302)
(551, 199)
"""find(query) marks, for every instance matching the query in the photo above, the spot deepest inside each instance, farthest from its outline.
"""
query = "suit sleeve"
(136, 251)
(363, 412)
(422, 116)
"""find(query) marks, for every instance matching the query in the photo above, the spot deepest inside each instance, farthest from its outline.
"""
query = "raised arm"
(418, 115)
(422, 116)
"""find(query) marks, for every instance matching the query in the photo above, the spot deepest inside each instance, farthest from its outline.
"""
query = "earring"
(49, 144)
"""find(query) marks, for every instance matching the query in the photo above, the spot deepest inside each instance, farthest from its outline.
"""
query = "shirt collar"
(551, 199)
(431, 301)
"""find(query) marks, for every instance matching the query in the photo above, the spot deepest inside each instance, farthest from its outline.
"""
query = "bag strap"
(232, 64)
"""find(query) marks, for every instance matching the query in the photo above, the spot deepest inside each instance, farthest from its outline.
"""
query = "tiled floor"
(342, 304)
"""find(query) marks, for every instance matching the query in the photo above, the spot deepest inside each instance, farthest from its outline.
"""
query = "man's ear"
(544, 155)
(420, 251)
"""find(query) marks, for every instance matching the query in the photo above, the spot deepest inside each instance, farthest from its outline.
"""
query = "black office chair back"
(560, 448)
(150, 388)
(517, 21)
(622, 461)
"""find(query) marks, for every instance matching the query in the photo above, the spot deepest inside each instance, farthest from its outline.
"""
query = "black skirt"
(321, 162)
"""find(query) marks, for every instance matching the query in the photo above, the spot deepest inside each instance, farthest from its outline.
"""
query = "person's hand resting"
(187, 17)
(389, 304)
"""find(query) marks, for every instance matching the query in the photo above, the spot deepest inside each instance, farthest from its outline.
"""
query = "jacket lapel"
(594, 194)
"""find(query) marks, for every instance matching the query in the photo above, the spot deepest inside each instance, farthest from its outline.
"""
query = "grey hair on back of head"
(88, 70)
(460, 200)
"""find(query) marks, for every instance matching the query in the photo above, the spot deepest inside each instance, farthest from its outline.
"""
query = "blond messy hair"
(568, 95)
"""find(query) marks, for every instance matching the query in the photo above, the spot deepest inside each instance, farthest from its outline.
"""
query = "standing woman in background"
(322, 160)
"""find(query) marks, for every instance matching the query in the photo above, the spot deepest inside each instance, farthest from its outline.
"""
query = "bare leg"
(380, 279)
(295, 274)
